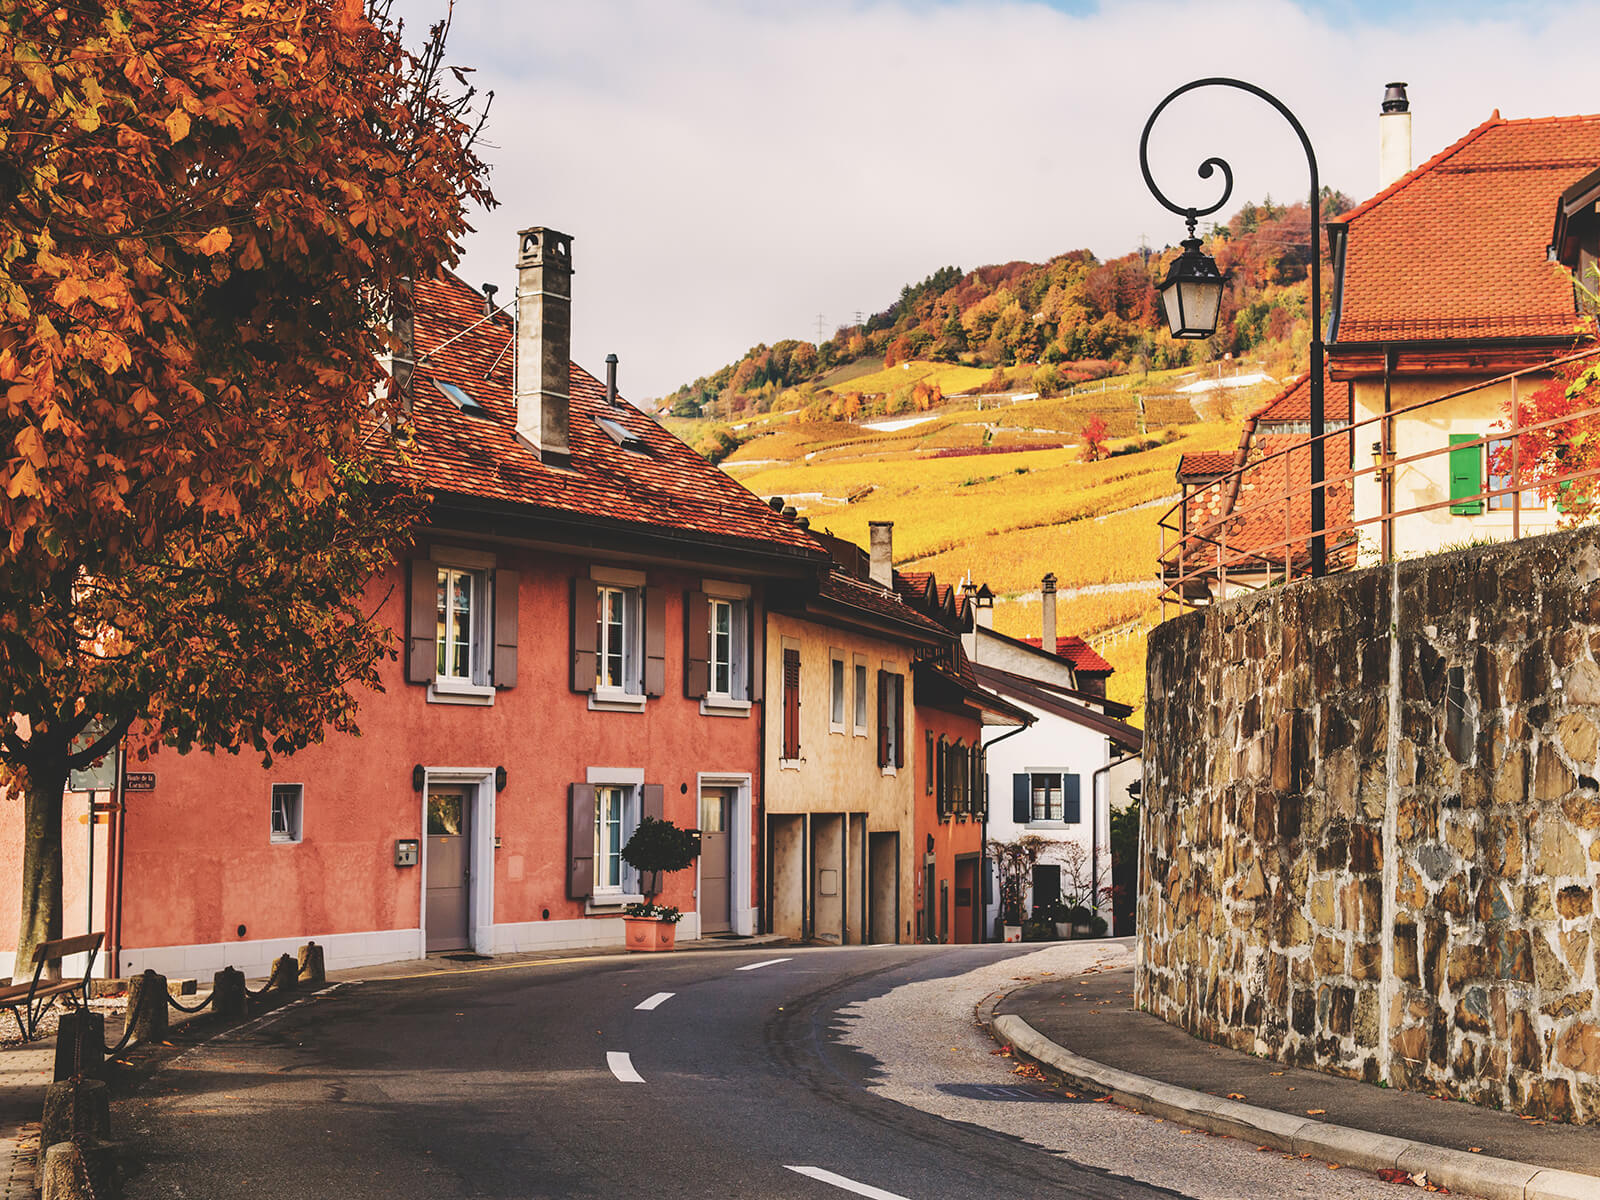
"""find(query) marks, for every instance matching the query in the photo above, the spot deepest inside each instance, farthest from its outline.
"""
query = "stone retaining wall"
(1370, 827)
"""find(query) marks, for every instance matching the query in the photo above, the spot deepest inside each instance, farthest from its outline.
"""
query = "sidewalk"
(1084, 1028)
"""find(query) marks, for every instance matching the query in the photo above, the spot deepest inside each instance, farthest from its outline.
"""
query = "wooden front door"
(966, 916)
(716, 813)
(449, 868)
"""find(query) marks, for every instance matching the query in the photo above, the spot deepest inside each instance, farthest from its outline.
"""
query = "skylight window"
(461, 399)
(619, 433)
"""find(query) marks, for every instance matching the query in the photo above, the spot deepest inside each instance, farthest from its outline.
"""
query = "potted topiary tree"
(656, 847)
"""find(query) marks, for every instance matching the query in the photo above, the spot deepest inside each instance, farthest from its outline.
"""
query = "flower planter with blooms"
(656, 846)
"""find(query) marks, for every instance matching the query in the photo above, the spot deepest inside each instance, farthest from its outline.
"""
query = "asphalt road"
(581, 1080)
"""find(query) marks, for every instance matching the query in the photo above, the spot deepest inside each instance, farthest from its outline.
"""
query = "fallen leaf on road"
(1235, 1095)
(1474, 1149)
(1316, 1112)
(1274, 1072)
(1333, 1166)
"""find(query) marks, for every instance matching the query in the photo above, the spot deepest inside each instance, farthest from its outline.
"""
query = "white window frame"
(1060, 798)
(475, 687)
(838, 690)
(631, 797)
(294, 823)
(862, 708)
(1493, 481)
(892, 748)
(631, 663)
(735, 702)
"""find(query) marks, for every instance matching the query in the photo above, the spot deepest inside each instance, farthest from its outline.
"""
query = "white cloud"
(729, 170)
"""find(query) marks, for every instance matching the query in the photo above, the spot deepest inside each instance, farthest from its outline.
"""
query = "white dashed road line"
(622, 1067)
(771, 962)
(848, 1185)
(655, 1001)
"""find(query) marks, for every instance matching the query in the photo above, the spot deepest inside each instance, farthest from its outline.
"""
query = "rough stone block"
(1579, 738)
(1526, 1050)
(74, 1106)
(1551, 778)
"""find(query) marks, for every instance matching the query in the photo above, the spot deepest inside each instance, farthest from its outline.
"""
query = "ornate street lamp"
(1192, 292)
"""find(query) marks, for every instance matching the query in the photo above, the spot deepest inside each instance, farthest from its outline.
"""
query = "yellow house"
(840, 792)
(1445, 282)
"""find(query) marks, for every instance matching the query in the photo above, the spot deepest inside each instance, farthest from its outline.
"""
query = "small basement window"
(619, 433)
(287, 801)
(461, 399)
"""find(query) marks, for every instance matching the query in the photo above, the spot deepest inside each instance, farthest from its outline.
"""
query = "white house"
(1061, 776)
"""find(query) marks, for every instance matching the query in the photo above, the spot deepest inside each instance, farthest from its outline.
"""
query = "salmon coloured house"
(582, 616)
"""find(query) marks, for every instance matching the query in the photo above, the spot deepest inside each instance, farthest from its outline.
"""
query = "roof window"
(619, 433)
(461, 399)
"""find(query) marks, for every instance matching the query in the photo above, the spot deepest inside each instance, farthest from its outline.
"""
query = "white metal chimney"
(1047, 641)
(1394, 135)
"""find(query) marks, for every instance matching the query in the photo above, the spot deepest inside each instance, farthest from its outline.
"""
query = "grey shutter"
(696, 645)
(1071, 811)
(1021, 800)
(654, 602)
(580, 841)
(653, 802)
(583, 634)
(755, 622)
(899, 720)
(422, 622)
(505, 629)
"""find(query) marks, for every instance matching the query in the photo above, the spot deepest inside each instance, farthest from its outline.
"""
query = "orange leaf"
(215, 242)
(1316, 1112)
(178, 125)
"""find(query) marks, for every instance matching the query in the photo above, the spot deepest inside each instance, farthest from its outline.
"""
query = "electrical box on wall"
(407, 852)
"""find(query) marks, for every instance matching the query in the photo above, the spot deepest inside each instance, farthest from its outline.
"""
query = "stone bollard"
(147, 1006)
(228, 995)
(311, 968)
(285, 973)
(75, 1106)
(82, 1170)
(80, 1043)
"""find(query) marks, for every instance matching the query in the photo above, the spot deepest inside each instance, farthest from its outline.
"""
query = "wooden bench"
(29, 1002)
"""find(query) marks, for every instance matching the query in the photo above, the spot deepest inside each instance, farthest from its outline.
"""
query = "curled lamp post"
(1192, 292)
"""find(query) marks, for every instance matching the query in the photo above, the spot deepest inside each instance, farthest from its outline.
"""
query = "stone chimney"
(882, 553)
(1394, 135)
(544, 341)
(1047, 640)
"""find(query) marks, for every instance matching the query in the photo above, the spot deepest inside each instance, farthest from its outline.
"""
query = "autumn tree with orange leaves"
(204, 208)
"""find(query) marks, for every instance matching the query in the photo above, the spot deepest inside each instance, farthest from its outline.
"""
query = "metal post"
(1516, 463)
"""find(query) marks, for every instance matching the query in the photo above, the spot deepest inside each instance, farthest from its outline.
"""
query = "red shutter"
(654, 601)
(696, 645)
(899, 720)
(584, 604)
(791, 704)
(580, 841)
(422, 622)
(505, 629)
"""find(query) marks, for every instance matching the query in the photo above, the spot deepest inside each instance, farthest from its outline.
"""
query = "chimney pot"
(611, 380)
(789, 511)
(489, 289)
(1394, 135)
(882, 553)
(775, 503)
(1047, 639)
(544, 341)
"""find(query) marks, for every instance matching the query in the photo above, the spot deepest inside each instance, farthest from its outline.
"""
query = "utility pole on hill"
(819, 329)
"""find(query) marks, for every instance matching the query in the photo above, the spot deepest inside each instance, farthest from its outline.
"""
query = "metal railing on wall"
(1208, 556)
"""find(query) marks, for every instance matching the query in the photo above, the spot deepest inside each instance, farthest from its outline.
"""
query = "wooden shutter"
(883, 718)
(580, 841)
(757, 662)
(654, 603)
(1071, 810)
(899, 720)
(653, 802)
(942, 784)
(791, 704)
(1021, 800)
(696, 645)
(928, 783)
(422, 622)
(584, 666)
(1466, 474)
(505, 629)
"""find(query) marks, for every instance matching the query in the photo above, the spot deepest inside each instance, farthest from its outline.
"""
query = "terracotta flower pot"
(646, 933)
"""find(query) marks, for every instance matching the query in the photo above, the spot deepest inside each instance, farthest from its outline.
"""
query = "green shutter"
(1466, 474)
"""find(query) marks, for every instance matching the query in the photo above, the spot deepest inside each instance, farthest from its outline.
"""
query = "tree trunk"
(41, 859)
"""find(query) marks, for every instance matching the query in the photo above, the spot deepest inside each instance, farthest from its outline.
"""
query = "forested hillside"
(1033, 326)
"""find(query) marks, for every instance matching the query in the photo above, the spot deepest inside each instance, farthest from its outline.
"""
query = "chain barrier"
(271, 979)
(127, 1028)
(185, 1008)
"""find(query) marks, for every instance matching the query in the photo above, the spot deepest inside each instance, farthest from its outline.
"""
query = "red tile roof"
(1078, 652)
(662, 484)
(869, 597)
(1456, 249)
(1207, 462)
(1293, 403)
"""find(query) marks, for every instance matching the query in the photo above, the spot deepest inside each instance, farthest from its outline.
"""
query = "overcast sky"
(729, 171)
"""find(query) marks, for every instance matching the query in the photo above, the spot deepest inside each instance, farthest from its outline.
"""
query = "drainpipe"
(1094, 822)
(119, 816)
(983, 850)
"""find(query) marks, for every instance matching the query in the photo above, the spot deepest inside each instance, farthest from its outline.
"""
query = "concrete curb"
(1491, 1178)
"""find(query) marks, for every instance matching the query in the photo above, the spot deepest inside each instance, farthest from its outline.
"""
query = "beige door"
(449, 864)
(716, 813)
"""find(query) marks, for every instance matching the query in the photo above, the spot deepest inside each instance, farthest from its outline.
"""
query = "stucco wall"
(1372, 825)
(1428, 481)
